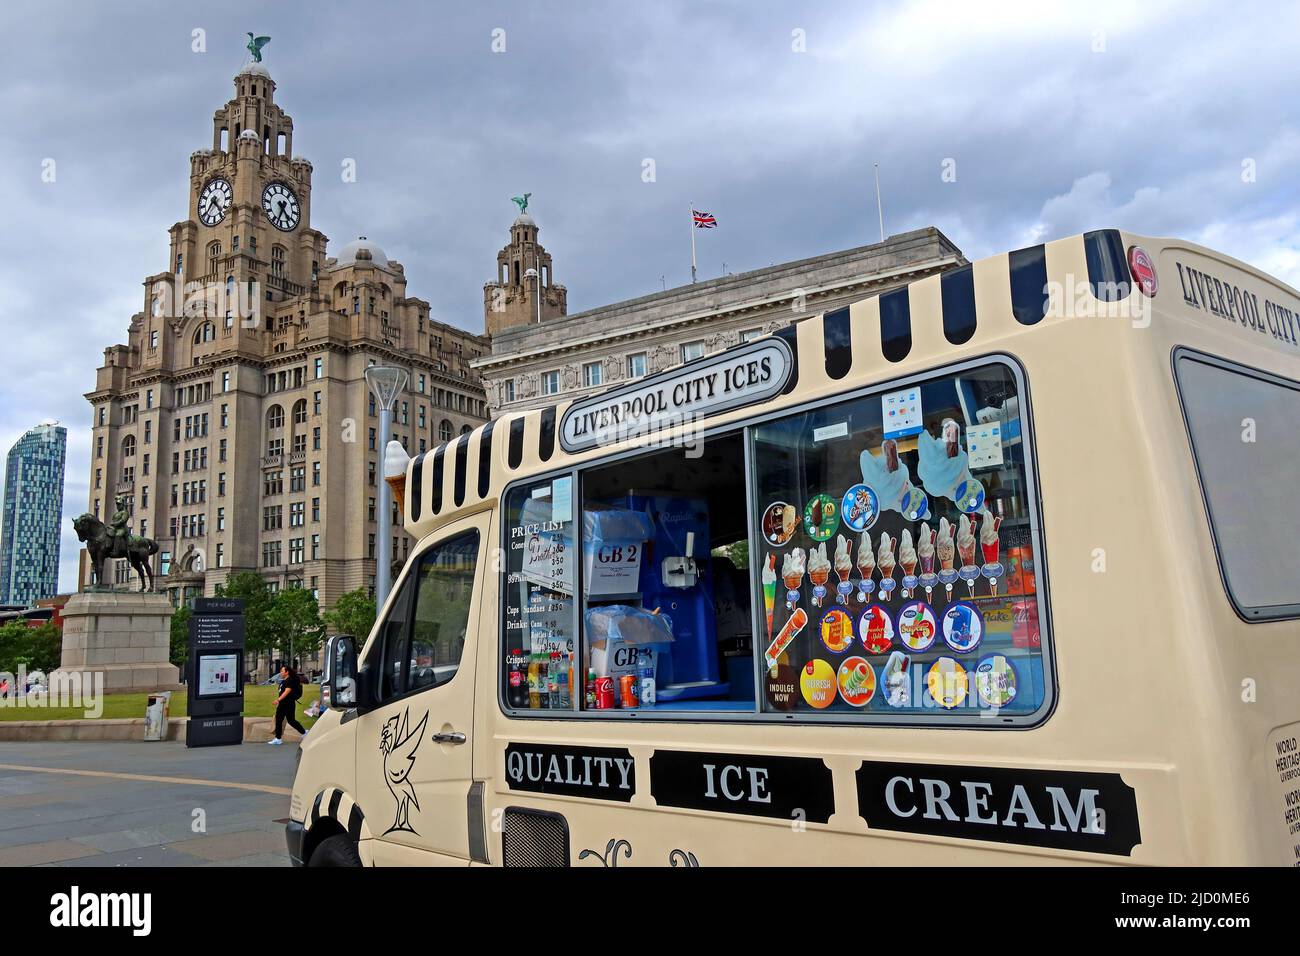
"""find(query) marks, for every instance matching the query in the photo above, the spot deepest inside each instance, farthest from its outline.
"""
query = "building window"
(444, 431)
(550, 383)
(636, 365)
(221, 519)
(315, 509)
(315, 474)
(748, 335)
(221, 450)
(221, 485)
(273, 483)
(315, 403)
(692, 350)
(145, 469)
(372, 439)
(148, 432)
(370, 510)
(315, 438)
(128, 446)
(592, 374)
(275, 417)
(295, 550)
(298, 479)
(370, 470)
(277, 261)
(510, 390)
(300, 412)
(315, 548)
(270, 554)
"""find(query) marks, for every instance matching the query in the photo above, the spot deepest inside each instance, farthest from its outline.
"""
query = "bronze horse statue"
(102, 546)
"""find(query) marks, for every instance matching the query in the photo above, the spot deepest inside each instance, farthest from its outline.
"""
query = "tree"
(37, 648)
(295, 624)
(180, 649)
(353, 613)
(256, 596)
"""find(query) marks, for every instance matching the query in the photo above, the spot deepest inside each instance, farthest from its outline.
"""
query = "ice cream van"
(995, 568)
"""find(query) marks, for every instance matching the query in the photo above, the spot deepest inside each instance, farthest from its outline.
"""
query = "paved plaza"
(137, 804)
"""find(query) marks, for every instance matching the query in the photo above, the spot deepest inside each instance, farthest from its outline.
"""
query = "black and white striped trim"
(335, 804)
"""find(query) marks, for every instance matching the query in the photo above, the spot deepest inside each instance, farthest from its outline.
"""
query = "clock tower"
(249, 222)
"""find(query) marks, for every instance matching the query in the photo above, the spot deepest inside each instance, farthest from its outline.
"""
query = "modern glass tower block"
(33, 508)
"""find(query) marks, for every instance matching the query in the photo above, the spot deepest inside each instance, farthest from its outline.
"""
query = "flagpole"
(880, 209)
(691, 210)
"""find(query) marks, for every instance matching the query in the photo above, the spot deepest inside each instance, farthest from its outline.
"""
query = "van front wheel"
(338, 850)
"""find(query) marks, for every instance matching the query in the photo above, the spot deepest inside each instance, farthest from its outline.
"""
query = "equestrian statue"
(115, 540)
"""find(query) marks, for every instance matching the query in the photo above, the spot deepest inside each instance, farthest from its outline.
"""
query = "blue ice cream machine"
(676, 577)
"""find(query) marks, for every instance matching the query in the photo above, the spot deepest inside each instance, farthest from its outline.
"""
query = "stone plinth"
(124, 635)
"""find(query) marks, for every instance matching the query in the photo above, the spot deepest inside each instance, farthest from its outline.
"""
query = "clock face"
(214, 201)
(281, 206)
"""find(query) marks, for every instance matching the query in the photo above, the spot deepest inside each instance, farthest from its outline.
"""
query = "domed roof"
(254, 69)
(248, 134)
(523, 219)
(363, 250)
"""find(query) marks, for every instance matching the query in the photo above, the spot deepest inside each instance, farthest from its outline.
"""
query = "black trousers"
(284, 712)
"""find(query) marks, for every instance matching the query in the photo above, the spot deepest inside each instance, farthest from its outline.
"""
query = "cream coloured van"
(998, 567)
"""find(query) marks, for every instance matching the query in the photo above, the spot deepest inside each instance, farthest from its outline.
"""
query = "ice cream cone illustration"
(769, 590)
(989, 546)
(885, 559)
(792, 570)
(843, 568)
(395, 461)
(819, 571)
(944, 548)
(866, 565)
(966, 552)
(907, 558)
(925, 551)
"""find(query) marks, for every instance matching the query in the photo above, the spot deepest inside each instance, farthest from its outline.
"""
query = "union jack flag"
(703, 220)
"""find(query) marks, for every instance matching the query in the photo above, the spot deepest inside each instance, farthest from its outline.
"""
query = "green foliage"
(180, 642)
(353, 613)
(36, 648)
(257, 597)
(294, 623)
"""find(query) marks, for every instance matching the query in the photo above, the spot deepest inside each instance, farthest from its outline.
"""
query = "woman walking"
(290, 694)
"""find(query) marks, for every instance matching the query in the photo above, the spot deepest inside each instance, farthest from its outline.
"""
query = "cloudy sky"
(1055, 119)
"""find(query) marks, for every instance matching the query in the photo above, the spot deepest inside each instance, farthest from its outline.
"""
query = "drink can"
(627, 691)
(604, 693)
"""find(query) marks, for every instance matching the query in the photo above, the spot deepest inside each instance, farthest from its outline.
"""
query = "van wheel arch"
(328, 844)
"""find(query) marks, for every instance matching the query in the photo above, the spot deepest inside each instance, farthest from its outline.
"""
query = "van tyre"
(338, 850)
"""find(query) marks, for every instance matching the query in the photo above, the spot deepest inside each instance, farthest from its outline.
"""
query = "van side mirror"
(340, 684)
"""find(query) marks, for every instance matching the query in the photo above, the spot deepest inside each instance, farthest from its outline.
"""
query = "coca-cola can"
(604, 693)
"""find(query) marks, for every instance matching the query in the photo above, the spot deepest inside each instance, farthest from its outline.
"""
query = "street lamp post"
(386, 383)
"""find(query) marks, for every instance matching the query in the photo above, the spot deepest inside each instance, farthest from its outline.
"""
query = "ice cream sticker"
(820, 516)
(947, 683)
(818, 684)
(925, 551)
(798, 621)
(837, 630)
(943, 468)
(917, 626)
(893, 680)
(779, 521)
(995, 681)
(963, 627)
(857, 682)
(907, 558)
(860, 508)
(989, 545)
(888, 476)
(946, 551)
(866, 565)
(843, 569)
(819, 572)
(969, 570)
(886, 561)
(792, 570)
(876, 629)
(769, 590)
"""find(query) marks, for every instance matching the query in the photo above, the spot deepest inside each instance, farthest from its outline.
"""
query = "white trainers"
(275, 742)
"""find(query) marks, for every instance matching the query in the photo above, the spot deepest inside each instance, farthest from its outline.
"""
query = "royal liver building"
(235, 422)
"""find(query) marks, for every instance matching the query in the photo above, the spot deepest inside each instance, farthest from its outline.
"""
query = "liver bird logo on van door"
(398, 742)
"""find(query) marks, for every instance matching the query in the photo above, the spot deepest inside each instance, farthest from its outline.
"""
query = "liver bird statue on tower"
(255, 45)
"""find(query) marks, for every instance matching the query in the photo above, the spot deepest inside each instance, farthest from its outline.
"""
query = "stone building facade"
(235, 419)
(533, 364)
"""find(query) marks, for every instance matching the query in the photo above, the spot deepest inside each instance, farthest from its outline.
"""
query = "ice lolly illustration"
(894, 678)
(819, 571)
(798, 621)
(792, 569)
(395, 461)
(907, 558)
(843, 568)
(866, 565)
(885, 558)
(941, 464)
(769, 590)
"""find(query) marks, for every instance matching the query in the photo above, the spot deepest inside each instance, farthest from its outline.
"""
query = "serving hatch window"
(870, 560)
(896, 558)
(1242, 426)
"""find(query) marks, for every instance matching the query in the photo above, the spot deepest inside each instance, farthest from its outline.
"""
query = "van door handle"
(455, 737)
